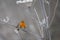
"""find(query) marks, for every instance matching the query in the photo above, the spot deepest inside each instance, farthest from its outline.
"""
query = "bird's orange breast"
(22, 25)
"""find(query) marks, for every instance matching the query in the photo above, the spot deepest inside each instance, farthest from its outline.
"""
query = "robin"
(21, 25)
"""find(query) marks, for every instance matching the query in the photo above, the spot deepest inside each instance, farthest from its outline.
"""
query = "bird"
(21, 25)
